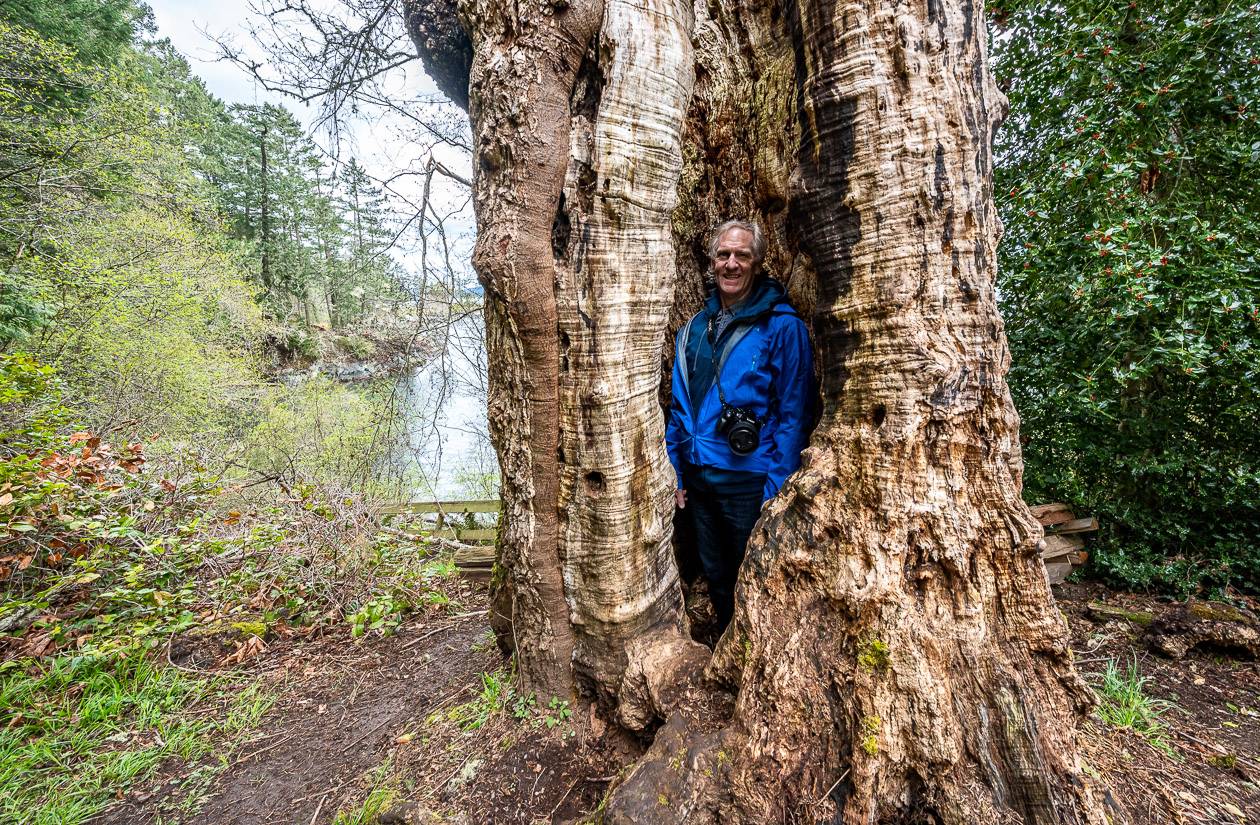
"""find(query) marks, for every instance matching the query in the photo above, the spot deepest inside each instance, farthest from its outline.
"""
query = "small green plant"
(355, 346)
(873, 655)
(300, 344)
(383, 792)
(558, 711)
(380, 613)
(524, 705)
(1124, 703)
(486, 641)
(497, 694)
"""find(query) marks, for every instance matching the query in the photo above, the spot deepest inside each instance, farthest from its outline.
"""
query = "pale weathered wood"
(1058, 569)
(577, 112)
(1048, 514)
(472, 534)
(614, 288)
(526, 57)
(1080, 525)
(1054, 546)
(446, 507)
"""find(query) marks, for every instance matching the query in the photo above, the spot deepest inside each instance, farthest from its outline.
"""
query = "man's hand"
(680, 498)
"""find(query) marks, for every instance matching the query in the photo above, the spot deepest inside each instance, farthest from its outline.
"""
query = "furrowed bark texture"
(577, 113)
(615, 276)
(896, 654)
(526, 58)
(896, 651)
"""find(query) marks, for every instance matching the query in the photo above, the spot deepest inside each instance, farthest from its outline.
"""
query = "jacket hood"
(766, 293)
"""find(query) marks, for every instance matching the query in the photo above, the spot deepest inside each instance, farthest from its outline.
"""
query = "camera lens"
(742, 438)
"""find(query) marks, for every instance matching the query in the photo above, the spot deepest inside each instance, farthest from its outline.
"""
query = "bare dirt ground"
(1212, 721)
(407, 729)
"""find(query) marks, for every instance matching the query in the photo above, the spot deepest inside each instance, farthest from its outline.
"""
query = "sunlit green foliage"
(157, 490)
(1129, 275)
(107, 558)
(317, 429)
(153, 325)
(97, 31)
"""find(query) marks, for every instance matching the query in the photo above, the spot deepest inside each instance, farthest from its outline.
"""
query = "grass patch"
(79, 730)
(382, 792)
(1124, 703)
(497, 692)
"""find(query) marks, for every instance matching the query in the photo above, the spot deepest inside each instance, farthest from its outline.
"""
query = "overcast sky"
(180, 20)
(380, 145)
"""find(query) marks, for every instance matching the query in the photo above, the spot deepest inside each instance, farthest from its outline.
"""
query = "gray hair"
(751, 227)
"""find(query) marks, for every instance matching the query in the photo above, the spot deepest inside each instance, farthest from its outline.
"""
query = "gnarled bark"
(526, 58)
(896, 655)
(614, 290)
(896, 651)
(577, 113)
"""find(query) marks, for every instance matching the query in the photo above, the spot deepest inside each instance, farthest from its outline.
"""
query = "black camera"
(741, 427)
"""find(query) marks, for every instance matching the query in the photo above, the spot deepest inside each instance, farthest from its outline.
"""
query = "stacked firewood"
(1064, 546)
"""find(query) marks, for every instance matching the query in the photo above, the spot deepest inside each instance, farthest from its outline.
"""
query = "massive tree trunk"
(896, 654)
(577, 112)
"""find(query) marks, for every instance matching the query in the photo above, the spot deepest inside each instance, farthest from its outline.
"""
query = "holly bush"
(1126, 179)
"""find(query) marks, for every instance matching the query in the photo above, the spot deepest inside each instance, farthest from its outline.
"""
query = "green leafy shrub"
(299, 344)
(318, 430)
(1130, 276)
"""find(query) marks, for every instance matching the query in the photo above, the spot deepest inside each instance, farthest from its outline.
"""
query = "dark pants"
(723, 515)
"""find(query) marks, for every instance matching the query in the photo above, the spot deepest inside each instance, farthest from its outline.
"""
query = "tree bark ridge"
(615, 277)
(526, 58)
(896, 651)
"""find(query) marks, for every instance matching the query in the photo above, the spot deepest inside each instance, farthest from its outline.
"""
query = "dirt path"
(341, 707)
(352, 719)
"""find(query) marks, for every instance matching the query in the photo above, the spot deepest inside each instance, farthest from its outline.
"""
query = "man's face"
(734, 266)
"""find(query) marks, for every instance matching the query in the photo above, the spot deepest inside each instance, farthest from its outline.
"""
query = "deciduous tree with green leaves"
(1130, 280)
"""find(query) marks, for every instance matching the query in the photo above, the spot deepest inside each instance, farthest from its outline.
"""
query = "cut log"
(1220, 626)
(1058, 569)
(1054, 546)
(1107, 612)
(1049, 514)
(1080, 525)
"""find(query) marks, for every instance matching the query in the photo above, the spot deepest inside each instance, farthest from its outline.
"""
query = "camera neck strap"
(738, 335)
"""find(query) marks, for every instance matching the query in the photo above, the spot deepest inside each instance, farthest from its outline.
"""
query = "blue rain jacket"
(766, 366)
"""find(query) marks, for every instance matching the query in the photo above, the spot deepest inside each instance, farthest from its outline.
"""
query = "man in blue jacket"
(742, 392)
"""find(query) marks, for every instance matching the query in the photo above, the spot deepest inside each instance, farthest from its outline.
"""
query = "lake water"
(444, 445)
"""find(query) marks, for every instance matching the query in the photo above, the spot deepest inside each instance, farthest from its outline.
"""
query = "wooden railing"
(1064, 547)
(450, 517)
